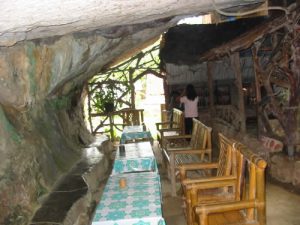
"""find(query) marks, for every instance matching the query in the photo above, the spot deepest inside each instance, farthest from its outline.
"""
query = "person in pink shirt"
(190, 100)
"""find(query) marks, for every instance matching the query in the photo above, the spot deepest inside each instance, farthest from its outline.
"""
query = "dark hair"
(190, 92)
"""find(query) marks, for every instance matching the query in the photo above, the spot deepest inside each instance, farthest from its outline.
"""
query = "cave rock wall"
(42, 128)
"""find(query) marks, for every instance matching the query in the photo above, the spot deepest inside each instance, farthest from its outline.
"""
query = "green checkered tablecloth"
(138, 157)
(135, 133)
(139, 203)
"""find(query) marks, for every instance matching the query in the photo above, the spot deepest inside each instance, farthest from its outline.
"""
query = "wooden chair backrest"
(231, 163)
(177, 119)
(225, 166)
(250, 198)
(132, 116)
(252, 174)
(201, 136)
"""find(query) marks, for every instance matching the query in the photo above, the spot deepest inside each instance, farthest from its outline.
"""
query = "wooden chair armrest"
(198, 166)
(204, 166)
(181, 149)
(186, 150)
(209, 182)
(224, 207)
(162, 123)
(165, 123)
(178, 137)
(168, 129)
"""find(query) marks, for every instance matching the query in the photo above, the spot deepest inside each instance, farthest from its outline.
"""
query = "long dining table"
(136, 202)
(135, 132)
(137, 157)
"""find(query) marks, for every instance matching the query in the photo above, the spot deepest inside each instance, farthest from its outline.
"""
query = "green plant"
(104, 98)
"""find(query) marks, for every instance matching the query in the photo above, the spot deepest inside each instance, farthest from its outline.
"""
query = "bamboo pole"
(203, 219)
(240, 175)
(194, 200)
(252, 189)
(261, 190)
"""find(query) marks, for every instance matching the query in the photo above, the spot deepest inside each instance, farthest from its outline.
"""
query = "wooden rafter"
(246, 40)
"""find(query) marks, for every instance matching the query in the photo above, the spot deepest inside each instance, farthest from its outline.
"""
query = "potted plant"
(104, 98)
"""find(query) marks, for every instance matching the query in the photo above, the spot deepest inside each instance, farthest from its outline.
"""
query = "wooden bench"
(248, 206)
(173, 127)
(186, 149)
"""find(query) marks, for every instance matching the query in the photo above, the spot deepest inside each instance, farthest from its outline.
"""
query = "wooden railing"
(230, 115)
(115, 121)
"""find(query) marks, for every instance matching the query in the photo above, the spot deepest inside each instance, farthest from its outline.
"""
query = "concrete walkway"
(283, 207)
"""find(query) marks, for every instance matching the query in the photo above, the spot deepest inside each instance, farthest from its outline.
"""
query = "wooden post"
(132, 89)
(235, 62)
(166, 92)
(210, 88)
(111, 125)
(257, 90)
(172, 174)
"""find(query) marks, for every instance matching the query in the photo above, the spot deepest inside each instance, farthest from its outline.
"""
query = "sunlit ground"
(154, 97)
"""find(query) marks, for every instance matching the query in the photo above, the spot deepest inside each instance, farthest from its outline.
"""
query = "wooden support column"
(210, 88)
(235, 63)
(257, 91)
(166, 92)
(132, 89)
(165, 108)
(111, 125)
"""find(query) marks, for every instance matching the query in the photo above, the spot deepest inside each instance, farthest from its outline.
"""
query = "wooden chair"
(248, 206)
(177, 150)
(173, 127)
(218, 182)
(132, 117)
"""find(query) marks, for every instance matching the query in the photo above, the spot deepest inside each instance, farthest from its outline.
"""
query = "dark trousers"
(188, 123)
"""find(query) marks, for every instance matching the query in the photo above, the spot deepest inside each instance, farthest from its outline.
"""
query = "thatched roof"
(184, 44)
